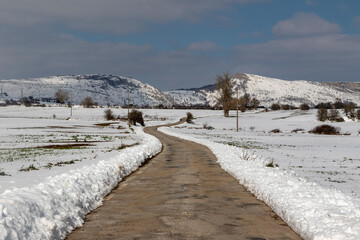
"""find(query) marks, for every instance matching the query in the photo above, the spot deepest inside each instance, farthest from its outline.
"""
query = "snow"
(268, 91)
(103, 89)
(300, 196)
(47, 204)
(314, 188)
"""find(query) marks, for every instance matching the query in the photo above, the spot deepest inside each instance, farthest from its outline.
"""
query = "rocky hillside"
(270, 90)
(102, 88)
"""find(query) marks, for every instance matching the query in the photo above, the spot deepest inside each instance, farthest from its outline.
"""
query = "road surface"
(182, 194)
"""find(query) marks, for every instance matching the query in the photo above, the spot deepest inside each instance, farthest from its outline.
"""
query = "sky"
(173, 44)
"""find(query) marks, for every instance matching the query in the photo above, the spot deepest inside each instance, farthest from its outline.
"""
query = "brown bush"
(207, 127)
(322, 114)
(334, 116)
(135, 116)
(304, 107)
(298, 130)
(87, 102)
(189, 117)
(275, 131)
(325, 129)
(275, 107)
(108, 115)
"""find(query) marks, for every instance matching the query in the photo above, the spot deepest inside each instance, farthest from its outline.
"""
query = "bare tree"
(62, 96)
(244, 102)
(224, 86)
(254, 103)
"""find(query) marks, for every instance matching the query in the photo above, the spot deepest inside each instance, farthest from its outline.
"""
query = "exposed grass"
(2, 173)
(61, 163)
(123, 146)
(272, 164)
(29, 168)
(67, 146)
(207, 126)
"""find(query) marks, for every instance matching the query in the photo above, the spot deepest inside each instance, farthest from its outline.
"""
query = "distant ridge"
(271, 90)
(103, 88)
(113, 89)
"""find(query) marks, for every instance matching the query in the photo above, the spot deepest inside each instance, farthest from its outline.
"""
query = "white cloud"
(65, 54)
(203, 46)
(321, 58)
(107, 16)
(304, 24)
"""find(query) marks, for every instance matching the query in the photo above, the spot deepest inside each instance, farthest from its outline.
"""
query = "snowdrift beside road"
(50, 210)
(313, 211)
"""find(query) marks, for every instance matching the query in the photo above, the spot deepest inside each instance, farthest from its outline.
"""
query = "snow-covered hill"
(102, 88)
(268, 91)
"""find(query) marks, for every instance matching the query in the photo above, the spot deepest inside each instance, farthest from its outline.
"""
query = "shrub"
(272, 164)
(298, 130)
(322, 114)
(334, 116)
(275, 131)
(254, 103)
(327, 105)
(349, 110)
(325, 129)
(208, 127)
(338, 104)
(304, 107)
(26, 101)
(333, 113)
(135, 116)
(287, 107)
(29, 168)
(108, 114)
(275, 106)
(87, 102)
(61, 96)
(189, 117)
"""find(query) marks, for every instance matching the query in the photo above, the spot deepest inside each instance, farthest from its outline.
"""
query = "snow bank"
(313, 211)
(50, 210)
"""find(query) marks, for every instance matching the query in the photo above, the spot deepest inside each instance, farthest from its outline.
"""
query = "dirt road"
(182, 194)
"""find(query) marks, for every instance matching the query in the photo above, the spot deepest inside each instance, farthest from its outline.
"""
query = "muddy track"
(182, 194)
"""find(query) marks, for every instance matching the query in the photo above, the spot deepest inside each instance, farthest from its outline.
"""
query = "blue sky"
(178, 44)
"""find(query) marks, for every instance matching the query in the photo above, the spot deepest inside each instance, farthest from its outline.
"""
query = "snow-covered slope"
(268, 91)
(102, 88)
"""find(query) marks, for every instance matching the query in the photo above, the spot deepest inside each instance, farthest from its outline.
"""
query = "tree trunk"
(226, 112)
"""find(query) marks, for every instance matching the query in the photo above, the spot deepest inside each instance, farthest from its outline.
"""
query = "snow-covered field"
(54, 168)
(314, 189)
(315, 186)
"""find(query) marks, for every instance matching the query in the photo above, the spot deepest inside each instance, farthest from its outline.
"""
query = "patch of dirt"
(104, 124)
(66, 146)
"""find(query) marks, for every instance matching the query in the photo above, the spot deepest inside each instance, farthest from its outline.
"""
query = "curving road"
(182, 194)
